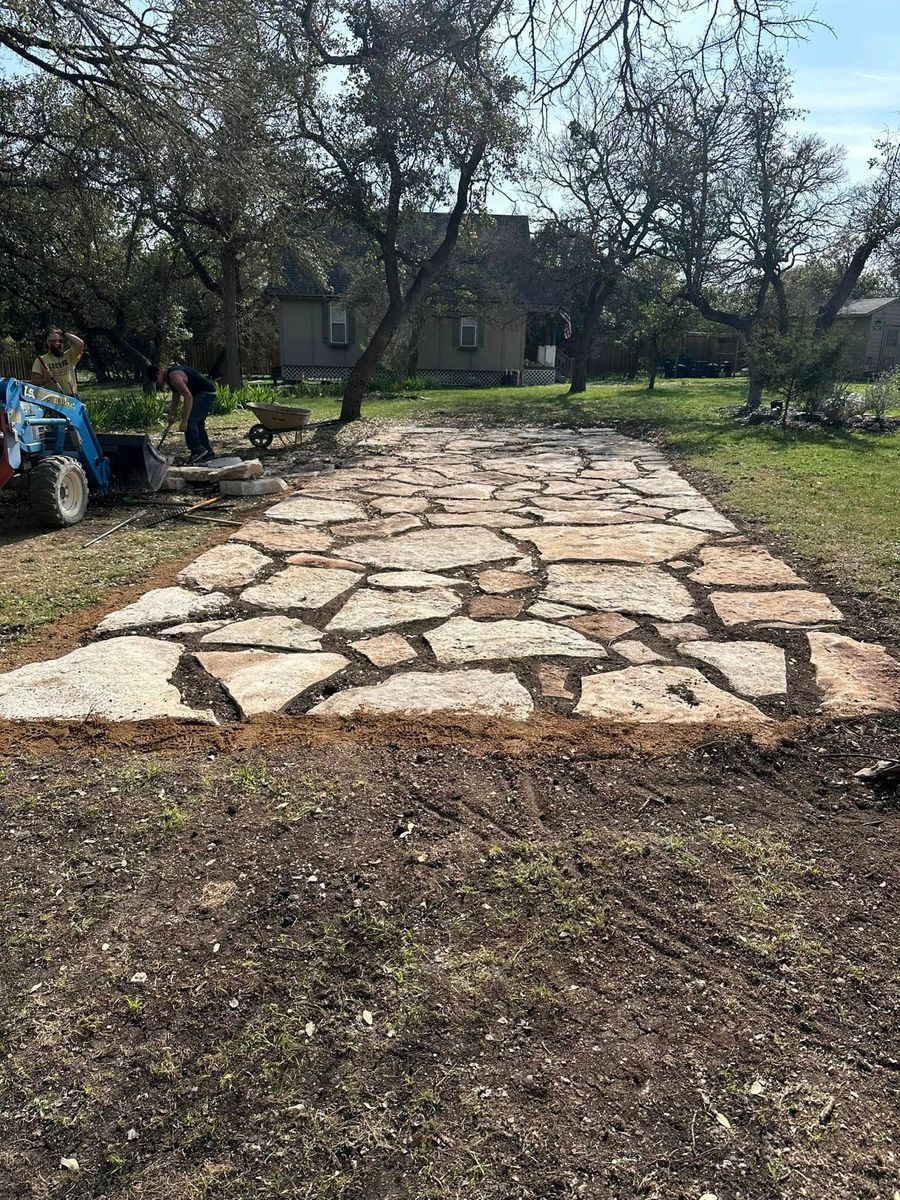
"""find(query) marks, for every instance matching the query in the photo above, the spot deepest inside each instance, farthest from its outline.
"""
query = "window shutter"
(351, 326)
(457, 333)
(326, 319)
(480, 330)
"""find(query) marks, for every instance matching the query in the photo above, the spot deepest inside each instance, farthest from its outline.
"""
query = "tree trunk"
(412, 355)
(367, 363)
(601, 290)
(651, 375)
(233, 376)
(754, 392)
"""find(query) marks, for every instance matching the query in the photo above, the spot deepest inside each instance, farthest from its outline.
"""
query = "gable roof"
(865, 308)
(494, 257)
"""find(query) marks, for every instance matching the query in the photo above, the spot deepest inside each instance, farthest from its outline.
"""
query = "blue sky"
(849, 80)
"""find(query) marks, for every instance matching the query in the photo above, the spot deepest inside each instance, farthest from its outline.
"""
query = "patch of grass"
(173, 819)
(250, 778)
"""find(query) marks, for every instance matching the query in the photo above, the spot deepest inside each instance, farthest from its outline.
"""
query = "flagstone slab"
(414, 579)
(488, 520)
(554, 682)
(233, 564)
(278, 632)
(190, 628)
(661, 693)
(586, 516)
(463, 491)
(376, 608)
(682, 631)
(391, 505)
(160, 606)
(751, 668)
(676, 503)
(325, 561)
(389, 489)
(662, 483)
(310, 510)
(500, 582)
(421, 477)
(548, 611)
(854, 677)
(478, 506)
(387, 650)
(632, 589)
(119, 679)
(463, 640)
(380, 527)
(712, 522)
(476, 692)
(434, 549)
(260, 682)
(283, 537)
(637, 652)
(300, 587)
(489, 608)
(782, 608)
(743, 566)
(602, 626)
(637, 543)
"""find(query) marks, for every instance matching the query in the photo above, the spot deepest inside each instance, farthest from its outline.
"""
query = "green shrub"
(125, 410)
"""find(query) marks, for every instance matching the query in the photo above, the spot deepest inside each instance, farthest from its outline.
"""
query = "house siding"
(867, 339)
(503, 347)
(302, 343)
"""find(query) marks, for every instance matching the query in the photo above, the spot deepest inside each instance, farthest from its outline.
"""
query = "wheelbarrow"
(280, 420)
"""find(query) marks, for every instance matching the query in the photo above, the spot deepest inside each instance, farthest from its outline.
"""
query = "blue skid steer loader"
(50, 447)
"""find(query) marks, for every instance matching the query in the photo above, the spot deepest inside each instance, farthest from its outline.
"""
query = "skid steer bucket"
(133, 462)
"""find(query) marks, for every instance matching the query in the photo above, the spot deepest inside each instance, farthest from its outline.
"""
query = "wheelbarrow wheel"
(59, 492)
(260, 437)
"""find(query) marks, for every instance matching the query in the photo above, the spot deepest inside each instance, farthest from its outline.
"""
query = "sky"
(849, 79)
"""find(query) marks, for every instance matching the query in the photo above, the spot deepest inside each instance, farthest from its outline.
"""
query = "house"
(489, 319)
(873, 329)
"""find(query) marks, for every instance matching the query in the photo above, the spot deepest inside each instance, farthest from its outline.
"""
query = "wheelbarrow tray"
(278, 418)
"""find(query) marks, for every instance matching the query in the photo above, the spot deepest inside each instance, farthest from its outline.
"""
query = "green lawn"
(833, 494)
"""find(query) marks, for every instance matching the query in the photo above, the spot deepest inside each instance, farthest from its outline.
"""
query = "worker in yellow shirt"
(55, 368)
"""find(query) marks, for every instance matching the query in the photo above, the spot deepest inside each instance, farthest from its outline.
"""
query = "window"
(468, 333)
(337, 324)
(890, 338)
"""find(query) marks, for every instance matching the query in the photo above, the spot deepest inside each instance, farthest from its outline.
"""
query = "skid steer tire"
(59, 492)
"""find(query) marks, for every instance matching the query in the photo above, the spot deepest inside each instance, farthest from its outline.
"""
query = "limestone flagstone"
(326, 561)
(190, 628)
(434, 549)
(682, 631)
(637, 652)
(278, 632)
(283, 537)
(463, 491)
(312, 511)
(421, 477)
(553, 681)
(602, 626)
(661, 693)
(160, 606)
(663, 483)
(751, 668)
(376, 608)
(488, 608)
(637, 543)
(464, 640)
(553, 612)
(389, 489)
(380, 527)
(585, 516)
(261, 682)
(641, 589)
(477, 692)
(391, 505)
(119, 679)
(782, 608)
(712, 522)
(387, 650)
(477, 506)
(300, 587)
(414, 579)
(499, 582)
(233, 564)
(743, 566)
(854, 677)
(489, 520)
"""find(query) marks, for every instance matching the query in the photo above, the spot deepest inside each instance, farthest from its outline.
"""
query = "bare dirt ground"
(418, 961)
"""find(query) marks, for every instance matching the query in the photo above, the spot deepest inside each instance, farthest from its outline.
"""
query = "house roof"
(493, 259)
(865, 308)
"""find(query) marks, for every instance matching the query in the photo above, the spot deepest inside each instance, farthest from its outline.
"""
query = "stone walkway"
(486, 572)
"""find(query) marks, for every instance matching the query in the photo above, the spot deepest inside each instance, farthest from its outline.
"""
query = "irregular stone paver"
(855, 677)
(274, 535)
(553, 680)
(637, 652)
(485, 608)
(434, 549)
(489, 520)
(463, 491)
(390, 505)
(464, 640)
(310, 511)
(162, 605)
(751, 668)
(681, 631)
(326, 561)
(382, 527)
(652, 693)
(376, 608)
(415, 579)
(766, 608)
(647, 590)
(230, 565)
(282, 633)
(477, 506)
(548, 611)
(713, 522)
(386, 650)
(743, 566)
(190, 628)
(260, 682)
(585, 516)
(637, 543)
(120, 679)
(604, 627)
(300, 587)
(499, 582)
(478, 692)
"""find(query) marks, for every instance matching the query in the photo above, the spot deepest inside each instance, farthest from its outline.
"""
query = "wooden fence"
(16, 361)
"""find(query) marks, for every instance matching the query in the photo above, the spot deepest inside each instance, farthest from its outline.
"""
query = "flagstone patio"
(489, 573)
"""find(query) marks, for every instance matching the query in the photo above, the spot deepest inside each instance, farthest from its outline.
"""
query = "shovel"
(159, 444)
